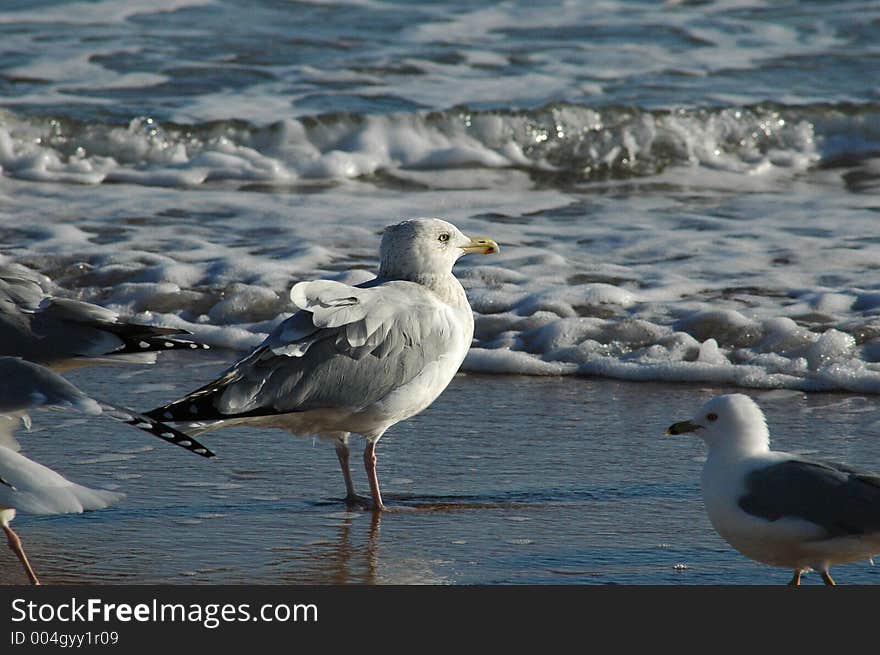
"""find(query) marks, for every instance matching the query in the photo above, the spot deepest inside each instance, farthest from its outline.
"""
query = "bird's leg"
(796, 579)
(342, 453)
(370, 466)
(16, 547)
(827, 579)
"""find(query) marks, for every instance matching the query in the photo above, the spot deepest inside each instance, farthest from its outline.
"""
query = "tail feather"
(156, 428)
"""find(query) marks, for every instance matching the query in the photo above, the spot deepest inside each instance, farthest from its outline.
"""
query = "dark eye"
(444, 237)
(712, 417)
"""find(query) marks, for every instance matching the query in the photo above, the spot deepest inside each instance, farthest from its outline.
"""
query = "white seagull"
(776, 507)
(354, 359)
(62, 333)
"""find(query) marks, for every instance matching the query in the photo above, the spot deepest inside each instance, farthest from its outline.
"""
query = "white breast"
(422, 390)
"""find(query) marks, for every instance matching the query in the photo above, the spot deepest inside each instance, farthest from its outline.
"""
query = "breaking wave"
(557, 144)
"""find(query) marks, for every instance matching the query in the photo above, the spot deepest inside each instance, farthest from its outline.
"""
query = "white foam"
(546, 309)
(552, 139)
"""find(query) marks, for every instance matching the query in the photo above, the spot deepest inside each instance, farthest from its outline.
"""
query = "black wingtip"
(171, 435)
(151, 344)
(158, 429)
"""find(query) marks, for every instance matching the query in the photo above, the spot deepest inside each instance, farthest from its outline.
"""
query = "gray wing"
(348, 347)
(840, 499)
(48, 330)
(25, 385)
(23, 287)
(82, 329)
(21, 292)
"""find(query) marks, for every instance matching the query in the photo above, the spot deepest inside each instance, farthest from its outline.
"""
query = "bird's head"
(732, 421)
(426, 246)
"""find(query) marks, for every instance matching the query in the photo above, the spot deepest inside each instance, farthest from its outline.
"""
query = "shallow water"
(505, 479)
(685, 194)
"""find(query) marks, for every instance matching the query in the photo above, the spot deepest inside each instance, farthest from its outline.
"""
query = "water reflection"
(350, 558)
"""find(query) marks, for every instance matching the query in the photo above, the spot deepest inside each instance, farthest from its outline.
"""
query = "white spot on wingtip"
(185, 442)
(169, 344)
(143, 344)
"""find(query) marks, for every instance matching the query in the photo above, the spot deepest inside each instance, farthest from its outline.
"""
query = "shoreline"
(503, 480)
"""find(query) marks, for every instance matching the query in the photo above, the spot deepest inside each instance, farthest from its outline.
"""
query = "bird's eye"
(712, 417)
(444, 237)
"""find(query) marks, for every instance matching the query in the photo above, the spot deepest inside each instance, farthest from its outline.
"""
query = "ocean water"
(685, 194)
(503, 480)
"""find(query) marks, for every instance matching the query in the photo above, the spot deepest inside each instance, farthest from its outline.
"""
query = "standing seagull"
(64, 334)
(776, 507)
(354, 358)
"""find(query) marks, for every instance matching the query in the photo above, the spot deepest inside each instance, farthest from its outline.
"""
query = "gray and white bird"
(62, 333)
(353, 359)
(776, 507)
(26, 485)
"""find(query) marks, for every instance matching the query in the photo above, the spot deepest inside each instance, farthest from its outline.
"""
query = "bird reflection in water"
(352, 558)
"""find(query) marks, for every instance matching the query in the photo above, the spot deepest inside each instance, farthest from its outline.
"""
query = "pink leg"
(370, 465)
(15, 546)
(342, 454)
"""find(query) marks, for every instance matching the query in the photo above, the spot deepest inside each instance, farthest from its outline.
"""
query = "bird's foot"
(356, 500)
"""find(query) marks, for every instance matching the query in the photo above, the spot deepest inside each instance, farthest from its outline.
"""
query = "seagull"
(27, 485)
(779, 508)
(63, 334)
(353, 359)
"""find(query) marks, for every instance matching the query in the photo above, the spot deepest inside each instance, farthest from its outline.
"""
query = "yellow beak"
(481, 245)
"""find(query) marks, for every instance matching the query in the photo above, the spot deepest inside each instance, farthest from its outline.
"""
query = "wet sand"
(504, 480)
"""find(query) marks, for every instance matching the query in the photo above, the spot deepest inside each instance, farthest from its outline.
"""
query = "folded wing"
(49, 330)
(840, 499)
(347, 347)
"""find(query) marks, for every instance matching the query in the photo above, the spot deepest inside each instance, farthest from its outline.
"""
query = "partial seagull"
(63, 334)
(31, 487)
(776, 507)
(353, 359)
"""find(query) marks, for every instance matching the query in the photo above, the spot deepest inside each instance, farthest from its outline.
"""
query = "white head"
(732, 422)
(424, 247)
